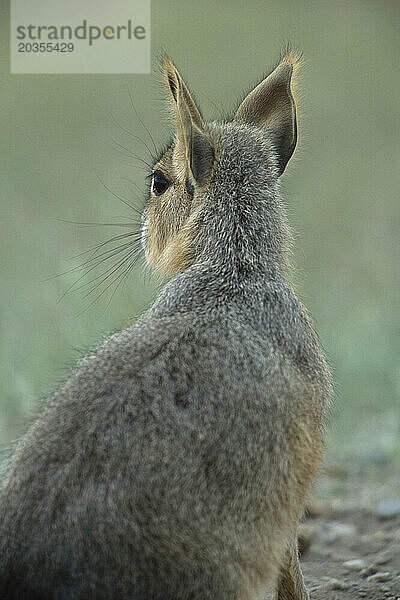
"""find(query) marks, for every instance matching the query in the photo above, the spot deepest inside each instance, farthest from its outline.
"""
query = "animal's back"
(144, 459)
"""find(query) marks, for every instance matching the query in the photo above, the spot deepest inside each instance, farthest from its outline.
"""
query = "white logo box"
(85, 36)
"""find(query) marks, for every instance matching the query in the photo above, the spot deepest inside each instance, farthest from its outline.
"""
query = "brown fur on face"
(169, 241)
(173, 217)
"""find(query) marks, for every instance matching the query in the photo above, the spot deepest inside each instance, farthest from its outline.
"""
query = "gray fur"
(176, 460)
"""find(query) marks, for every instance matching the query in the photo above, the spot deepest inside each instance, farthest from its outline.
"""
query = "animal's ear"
(271, 106)
(198, 152)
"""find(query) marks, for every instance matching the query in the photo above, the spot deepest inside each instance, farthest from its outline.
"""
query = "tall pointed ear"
(199, 155)
(272, 107)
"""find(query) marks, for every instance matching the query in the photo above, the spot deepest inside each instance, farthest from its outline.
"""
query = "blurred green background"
(60, 134)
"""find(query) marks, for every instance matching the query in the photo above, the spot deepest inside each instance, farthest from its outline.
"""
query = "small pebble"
(355, 565)
(380, 577)
(382, 536)
(368, 571)
(330, 532)
(388, 509)
(382, 560)
(336, 584)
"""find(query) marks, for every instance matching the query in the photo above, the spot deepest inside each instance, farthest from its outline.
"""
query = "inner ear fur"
(189, 123)
(271, 106)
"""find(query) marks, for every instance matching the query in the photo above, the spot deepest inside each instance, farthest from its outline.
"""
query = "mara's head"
(215, 187)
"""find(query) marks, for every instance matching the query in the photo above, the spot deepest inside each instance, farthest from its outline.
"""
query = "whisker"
(99, 224)
(120, 197)
(114, 252)
(111, 252)
(122, 279)
(131, 164)
(105, 251)
(128, 219)
(106, 288)
(110, 272)
(132, 134)
(79, 267)
(141, 122)
(102, 244)
(88, 283)
(85, 284)
(133, 183)
(128, 153)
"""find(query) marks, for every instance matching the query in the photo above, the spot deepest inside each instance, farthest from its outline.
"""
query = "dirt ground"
(352, 532)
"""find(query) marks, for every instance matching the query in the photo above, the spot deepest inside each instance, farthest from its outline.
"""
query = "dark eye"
(159, 184)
